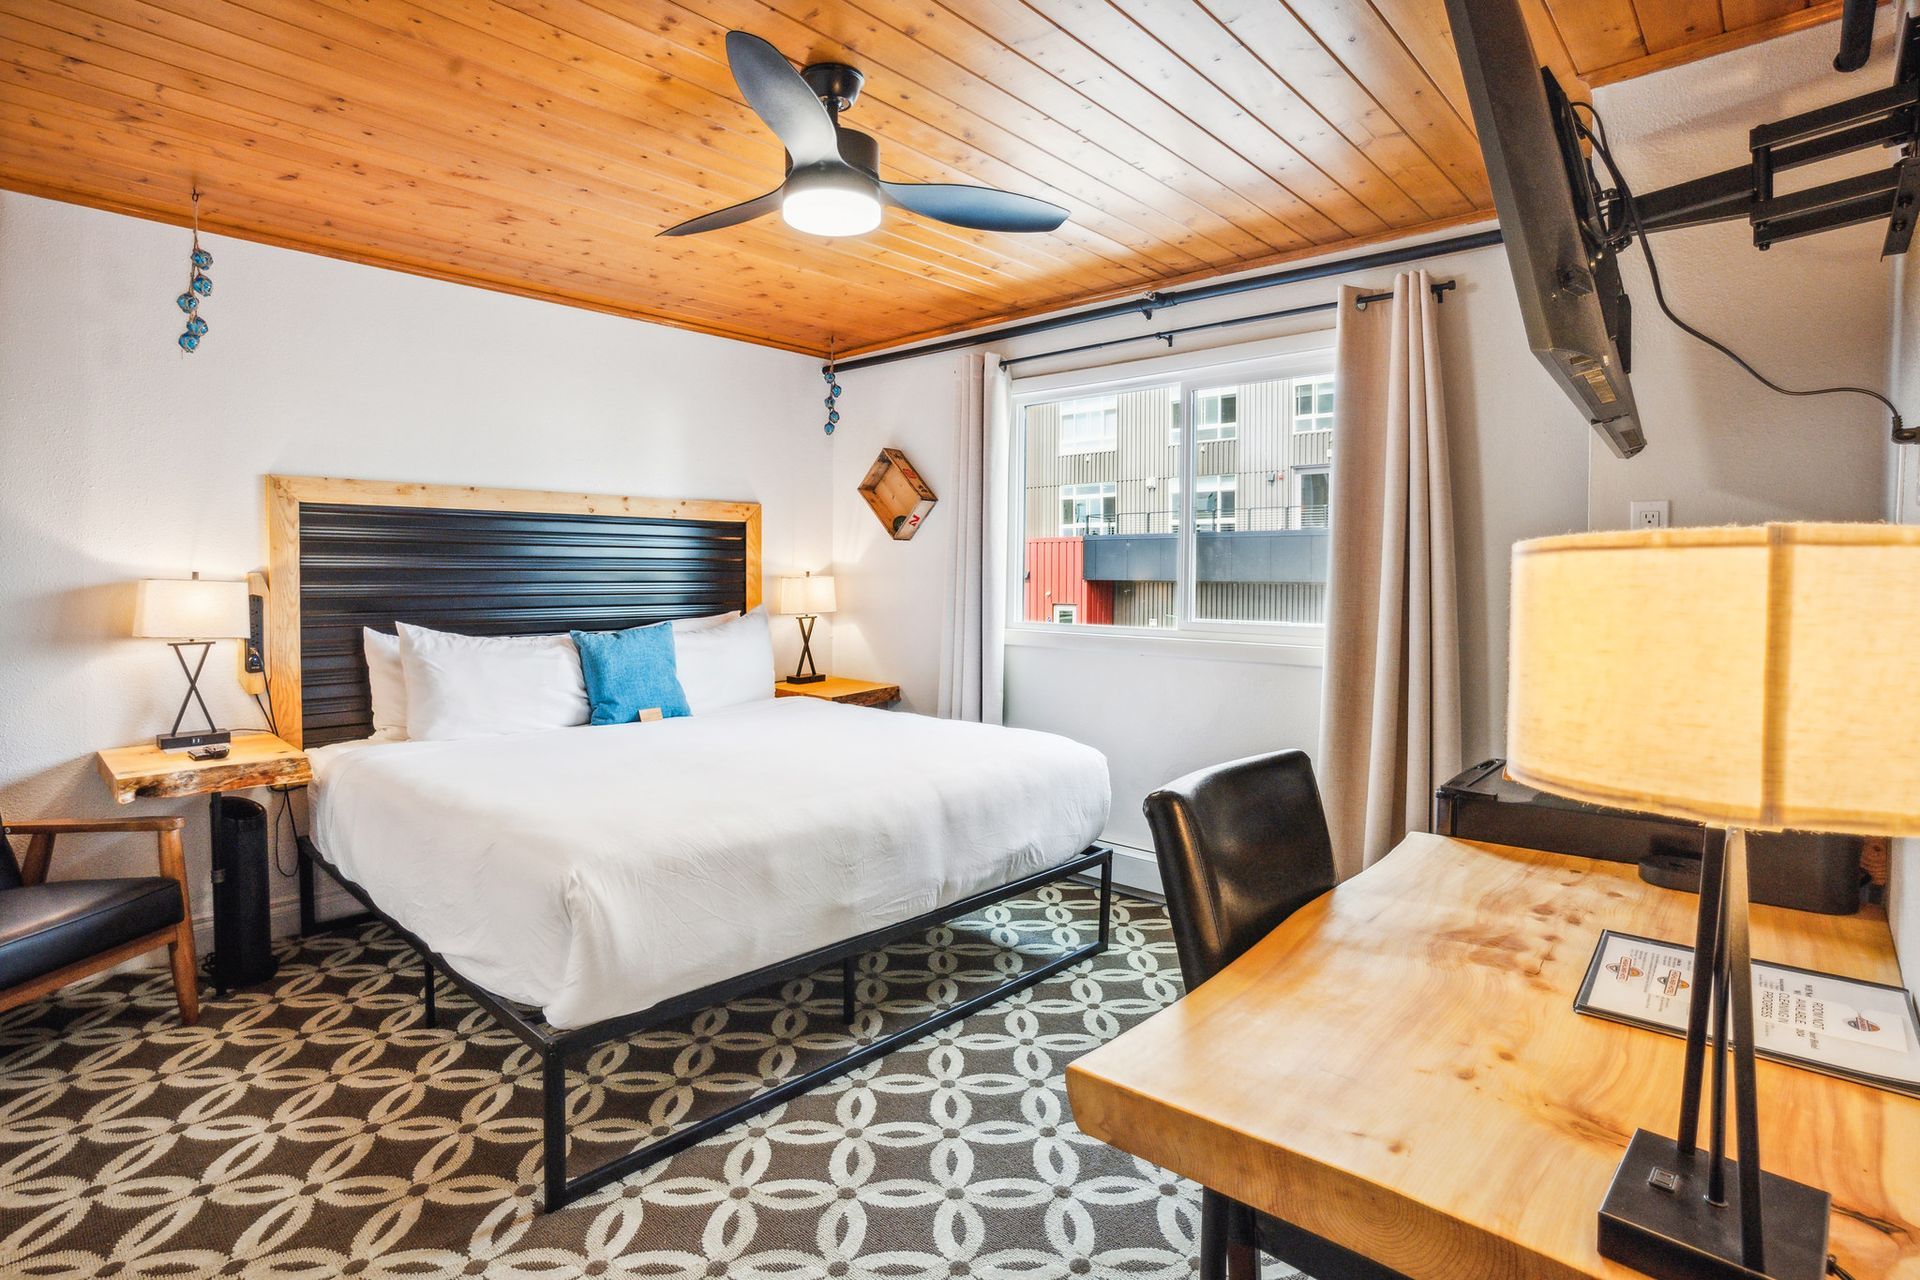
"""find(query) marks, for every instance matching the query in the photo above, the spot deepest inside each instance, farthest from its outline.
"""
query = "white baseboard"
(1136, 869)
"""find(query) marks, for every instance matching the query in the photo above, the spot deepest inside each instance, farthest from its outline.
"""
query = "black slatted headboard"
(353, 554)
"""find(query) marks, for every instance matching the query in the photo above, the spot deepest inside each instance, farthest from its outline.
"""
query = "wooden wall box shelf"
(255, 760)
(897, 494)
(860, 693)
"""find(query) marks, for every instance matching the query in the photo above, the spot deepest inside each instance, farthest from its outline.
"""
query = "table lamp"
(807, 598)
(187, 614)
(1752, 679)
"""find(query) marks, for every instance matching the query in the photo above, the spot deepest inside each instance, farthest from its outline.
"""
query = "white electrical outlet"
(1655, 514)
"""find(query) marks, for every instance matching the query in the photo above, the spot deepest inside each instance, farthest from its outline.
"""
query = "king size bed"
(586, 883)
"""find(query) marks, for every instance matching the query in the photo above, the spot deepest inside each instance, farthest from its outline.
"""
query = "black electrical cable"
(1836, 1270)
(1598, 136)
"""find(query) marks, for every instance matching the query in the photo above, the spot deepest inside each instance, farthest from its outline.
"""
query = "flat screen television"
(1552, 218)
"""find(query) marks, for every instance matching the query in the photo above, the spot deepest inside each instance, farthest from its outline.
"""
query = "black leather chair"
(1241, 847)
(55, 933)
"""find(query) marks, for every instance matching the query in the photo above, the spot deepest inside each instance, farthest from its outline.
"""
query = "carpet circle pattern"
(318, 1128)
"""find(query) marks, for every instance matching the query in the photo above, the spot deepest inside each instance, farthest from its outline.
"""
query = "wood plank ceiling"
(537, 146)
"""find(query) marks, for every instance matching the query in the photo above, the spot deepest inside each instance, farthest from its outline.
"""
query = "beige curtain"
(1390, 708)
(972, 684)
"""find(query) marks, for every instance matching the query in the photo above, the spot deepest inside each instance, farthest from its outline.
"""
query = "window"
(1213, 501)
(1310, 494)
(1088, 426)
(1086, 510)
(1125, 520)
(1313, 404)
(1216, 416)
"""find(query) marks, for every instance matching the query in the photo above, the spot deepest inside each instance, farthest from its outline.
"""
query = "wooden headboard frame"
(286, 495)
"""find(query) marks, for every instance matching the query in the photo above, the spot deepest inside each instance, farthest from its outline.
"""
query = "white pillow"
(683, 625)
(726, 664)
(387, 681)
(473, 686)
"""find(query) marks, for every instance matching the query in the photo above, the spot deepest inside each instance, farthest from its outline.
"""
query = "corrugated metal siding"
(1301, 602)
(1143, 604)
(1056, 574)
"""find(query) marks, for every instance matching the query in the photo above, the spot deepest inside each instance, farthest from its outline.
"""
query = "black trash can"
(242, 918)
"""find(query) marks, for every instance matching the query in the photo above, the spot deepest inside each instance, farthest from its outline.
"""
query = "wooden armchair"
(55, 933)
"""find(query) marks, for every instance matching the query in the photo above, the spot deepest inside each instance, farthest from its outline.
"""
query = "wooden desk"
(254, 760)
(1398, 1068)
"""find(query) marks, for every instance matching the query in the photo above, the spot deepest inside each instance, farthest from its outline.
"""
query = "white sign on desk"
(1857, 1030)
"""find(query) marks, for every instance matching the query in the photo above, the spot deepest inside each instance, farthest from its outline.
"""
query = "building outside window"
(1310, 495)
(1213, 503)
(1128, 521)
(1086, 510)
(1216, 416)
(1088, 426)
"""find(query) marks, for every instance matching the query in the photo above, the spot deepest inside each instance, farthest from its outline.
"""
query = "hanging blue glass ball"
(827, 374)
(187, 302)
(202, 285)
(833, 416)
(828, 402)
(202, 259)
(829, 428)
(837, 389)
(189, 342)
(197, 327)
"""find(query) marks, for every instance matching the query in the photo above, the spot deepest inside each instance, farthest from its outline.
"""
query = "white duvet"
(596, 871)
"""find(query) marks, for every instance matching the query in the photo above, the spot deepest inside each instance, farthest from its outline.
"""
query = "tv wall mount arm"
(1887, 117)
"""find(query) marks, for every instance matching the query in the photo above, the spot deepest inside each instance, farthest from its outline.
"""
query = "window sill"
(1306, 650)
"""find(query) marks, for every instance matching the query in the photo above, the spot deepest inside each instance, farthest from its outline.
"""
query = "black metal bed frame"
(554, 1047)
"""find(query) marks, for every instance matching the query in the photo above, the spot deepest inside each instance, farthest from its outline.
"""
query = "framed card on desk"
(1856, 1030)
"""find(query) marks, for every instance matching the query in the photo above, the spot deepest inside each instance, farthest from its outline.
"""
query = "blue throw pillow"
(630, 672)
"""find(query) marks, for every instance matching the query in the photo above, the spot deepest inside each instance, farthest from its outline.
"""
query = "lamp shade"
(1763, 678)
(190, 609)
(811, 594)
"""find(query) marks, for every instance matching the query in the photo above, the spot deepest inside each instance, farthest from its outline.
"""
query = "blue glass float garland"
(199, 286)
(833, 394)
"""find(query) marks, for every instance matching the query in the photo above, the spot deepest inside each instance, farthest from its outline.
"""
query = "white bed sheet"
(595, 871)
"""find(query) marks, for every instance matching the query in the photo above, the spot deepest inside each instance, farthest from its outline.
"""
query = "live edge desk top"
(1398, 1068)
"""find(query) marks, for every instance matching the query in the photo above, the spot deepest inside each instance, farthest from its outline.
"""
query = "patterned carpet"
(315, 1127)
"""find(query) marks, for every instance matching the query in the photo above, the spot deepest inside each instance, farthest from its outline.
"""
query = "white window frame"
(1106, 407)
(1105, 489)
(1299, 355)
(1072, 612)
(1210, 434)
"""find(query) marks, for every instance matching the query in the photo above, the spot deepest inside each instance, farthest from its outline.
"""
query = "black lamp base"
(815, 678)
(1657, 1219)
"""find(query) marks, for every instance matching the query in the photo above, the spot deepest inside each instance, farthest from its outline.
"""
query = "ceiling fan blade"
(732, 215)
(982, 208)
(780, 97)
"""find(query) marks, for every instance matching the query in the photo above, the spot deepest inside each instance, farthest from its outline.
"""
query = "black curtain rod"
(1440, 289)
(1159, 300)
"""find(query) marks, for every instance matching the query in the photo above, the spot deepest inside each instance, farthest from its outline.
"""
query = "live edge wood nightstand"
(254, 760)
(861, 693)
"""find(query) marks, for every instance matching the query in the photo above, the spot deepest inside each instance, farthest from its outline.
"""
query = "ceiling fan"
(833, 185)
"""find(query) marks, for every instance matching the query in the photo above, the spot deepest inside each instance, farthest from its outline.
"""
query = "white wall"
(1720, 447)
(125, 459)
(1158, 710)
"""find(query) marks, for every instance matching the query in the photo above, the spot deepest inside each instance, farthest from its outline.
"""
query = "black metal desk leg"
(849, 983)
(426, 983)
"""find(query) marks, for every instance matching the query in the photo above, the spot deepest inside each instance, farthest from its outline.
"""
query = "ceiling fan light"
(831, 205)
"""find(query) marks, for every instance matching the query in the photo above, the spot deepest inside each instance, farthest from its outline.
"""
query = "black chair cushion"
(1241, 846)
(49, 926)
